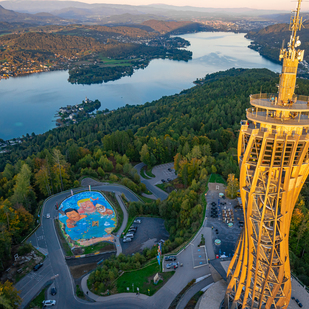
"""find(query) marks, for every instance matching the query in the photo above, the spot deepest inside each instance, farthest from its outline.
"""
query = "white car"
(47, 303)
(137, 221)
(127, 239)
(47, 216)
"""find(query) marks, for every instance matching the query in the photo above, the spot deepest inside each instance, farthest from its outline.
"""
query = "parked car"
(53, 291)
(37, 266)
(163, 180)
(171, 265)
(300, 305)
(47, 216)
(47, 303)
(170, 258)
(133, 227)
(131, 235)
(169, 169)
(137, 221)
(213, 204)
(127, 239)
(169, 179)
(162, 240)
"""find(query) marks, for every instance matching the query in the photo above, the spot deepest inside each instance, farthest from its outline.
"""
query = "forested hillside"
(197, 129)
(268, 40)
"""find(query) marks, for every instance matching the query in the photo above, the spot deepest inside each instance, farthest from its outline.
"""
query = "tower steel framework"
(274, 163)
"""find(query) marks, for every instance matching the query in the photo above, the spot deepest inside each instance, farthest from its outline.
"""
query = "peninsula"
(75, 113)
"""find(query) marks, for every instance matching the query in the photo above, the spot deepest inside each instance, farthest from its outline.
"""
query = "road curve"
(56, 264)
(66, 297)
(158, 193)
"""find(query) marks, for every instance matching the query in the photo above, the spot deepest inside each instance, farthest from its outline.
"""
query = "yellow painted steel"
(273, 154)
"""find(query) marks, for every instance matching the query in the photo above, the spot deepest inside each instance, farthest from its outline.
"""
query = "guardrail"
(296, 97)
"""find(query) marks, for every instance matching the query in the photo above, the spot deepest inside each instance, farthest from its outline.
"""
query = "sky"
(255, 4)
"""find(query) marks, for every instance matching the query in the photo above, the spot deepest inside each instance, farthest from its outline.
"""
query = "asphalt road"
(158, 193)
(55, 266)
(192, 291)
(46, 238)
(90, 259)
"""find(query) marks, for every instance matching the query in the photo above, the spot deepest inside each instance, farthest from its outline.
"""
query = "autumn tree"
(22, 187)
(9, 298)
(232, 186)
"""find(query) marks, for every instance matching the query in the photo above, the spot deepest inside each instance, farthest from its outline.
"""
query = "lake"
(29, 103)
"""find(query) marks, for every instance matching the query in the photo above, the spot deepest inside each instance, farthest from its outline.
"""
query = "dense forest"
(197, 129)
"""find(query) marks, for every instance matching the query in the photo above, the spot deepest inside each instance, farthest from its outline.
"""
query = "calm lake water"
(28, 104)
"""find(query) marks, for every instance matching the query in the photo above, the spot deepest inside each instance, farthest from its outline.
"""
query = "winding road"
(55, 266)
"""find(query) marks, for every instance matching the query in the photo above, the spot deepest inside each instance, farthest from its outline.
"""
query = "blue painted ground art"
(87, 218)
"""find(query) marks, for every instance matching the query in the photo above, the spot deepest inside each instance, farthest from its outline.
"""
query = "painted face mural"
(86, 218)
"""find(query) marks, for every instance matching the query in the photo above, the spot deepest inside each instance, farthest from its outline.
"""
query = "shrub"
(24, 249)
(113, 177)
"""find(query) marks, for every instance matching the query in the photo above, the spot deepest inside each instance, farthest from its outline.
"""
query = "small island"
(75, 113)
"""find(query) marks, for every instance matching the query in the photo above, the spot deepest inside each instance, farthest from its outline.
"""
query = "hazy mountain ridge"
(65, 8)
(9, 16)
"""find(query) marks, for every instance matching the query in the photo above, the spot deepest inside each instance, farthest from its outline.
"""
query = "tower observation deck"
(273, 153)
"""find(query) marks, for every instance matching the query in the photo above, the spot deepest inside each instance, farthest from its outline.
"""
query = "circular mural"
(87, 218)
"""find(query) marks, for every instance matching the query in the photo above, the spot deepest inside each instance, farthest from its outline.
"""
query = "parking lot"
(199, 256)
(148, 233)
(162, 172)
(222, 229)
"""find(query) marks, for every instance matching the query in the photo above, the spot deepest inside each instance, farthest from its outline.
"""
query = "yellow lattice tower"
(274, 159)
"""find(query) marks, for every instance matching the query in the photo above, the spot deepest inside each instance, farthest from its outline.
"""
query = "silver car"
(127, 239)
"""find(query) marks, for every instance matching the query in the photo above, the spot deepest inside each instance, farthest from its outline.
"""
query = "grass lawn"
(98, 247)
(114, 203)
(37, 302)
(217, 178)
(143, 279)
(148, 172)
(146, 199)
(130, 222)
(161, 186)
(143, 174)
(114, 62)
(62, 240)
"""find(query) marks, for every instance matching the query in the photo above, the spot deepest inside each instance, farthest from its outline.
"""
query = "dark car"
(300, 305)
(37, 266)
(53, 291)
(169, 169)
(162, 180)
(213, 204)
(170, 258)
